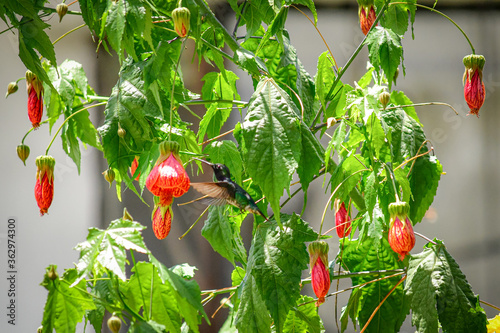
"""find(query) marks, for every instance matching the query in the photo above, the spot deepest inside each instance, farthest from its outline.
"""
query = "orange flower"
(342, 220)
(44, 186)
(320, 276)
(34, 88)
(401, 235)
(474, 91)
(168, 175)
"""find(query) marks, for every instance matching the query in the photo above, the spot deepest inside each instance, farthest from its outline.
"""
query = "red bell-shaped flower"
(342, 219)
(367, 15)
(44, 186)
(474, 91)
(320, 277)
(34, 88)
(168, 175)
(401, 235)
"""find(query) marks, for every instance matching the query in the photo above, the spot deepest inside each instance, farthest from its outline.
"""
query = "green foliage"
(373, 156)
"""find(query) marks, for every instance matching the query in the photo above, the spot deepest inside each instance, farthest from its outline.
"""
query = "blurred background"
(464, 213)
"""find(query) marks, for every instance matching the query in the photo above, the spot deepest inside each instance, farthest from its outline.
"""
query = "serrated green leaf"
(396, 19)
(368, 257)
(325, 76)
(106, 248)
(115, 25)
(237, 276)
(350, 310)
(347, 174)
(252, 315)
(255, 12)
(217, 230)
(272, 136)
(376, 139)
(385, 51)
(404, 183)
(187, 294)
(65, 306)
(424, 180)
(437, 288)
(371, 186)
(249, 62)
(304, 318)
(311, 158)
(275, 264)
(146, 327)
(399, 98)
(308, 3)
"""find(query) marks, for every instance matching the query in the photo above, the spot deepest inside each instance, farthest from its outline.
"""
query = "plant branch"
(216, 137)
(68, 32)
(423, 104)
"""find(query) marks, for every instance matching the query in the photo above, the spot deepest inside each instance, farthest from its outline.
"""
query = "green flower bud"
(109, 175)
(61, 10)
(181, 16)
(11, 88)
(23, 152)
(384, 99)
(114, 323)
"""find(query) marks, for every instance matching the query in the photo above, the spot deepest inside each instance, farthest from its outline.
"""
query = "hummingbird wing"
(222, 192)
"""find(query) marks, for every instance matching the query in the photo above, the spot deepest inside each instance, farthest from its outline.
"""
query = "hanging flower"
(342, 219)
(474, 91)
(168, 175)
(401, 235)
(367, 15)
(181, 16)
(34, 88)
(320, 276)
(44, 186)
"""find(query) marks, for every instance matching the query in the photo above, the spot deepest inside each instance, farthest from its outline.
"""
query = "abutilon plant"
(318, 263)
(44, 186)
(474, 91)
(401, 236)
(34, 88)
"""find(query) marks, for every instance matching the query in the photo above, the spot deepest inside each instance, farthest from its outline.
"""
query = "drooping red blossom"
(34, 88)
(342, 220)
(367, 15)
(181, 17)
(133, 168)
(474, 91)
(162, 220)
(401, 236)
(44, 186)
(320, 276)
(168, 174)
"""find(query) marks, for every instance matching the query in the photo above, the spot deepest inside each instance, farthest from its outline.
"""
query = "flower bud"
(384, 99)
(61, 10)
(11, 88)
(181, 16)
(126, 215)
(114, 323)
(133, 168)
(39, 329)
(109, 175)
(342, 219)
(52, 273)
(162, 220)
(34, 88)
(44, 186)
(401, 236)
(23, 152)
(320, 276)
(367, 15)
(168, 175)
(121, 132)
(474, 91)
(396, 74)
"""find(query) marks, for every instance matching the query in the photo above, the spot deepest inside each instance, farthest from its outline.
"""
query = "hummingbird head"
(221, 171)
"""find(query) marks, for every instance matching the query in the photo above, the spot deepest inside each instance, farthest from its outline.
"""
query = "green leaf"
(106, 248)
(399, 98)
(252, 315)
(65, 306)
(237, 276)
(311, 158)
(424, 181)
(187, 294)
(115, 24)
(304, 318)
(351, 309)
(376, 139)
(345, 174)
(146, 327)
(437, 288)
(255, 12)
(370, 256)
(385, 51)
(325, 76)
(275, 265)
(396, 19)
(308, 3)
(218, 231)
(160, 305)
(272, 136)
(249, 62)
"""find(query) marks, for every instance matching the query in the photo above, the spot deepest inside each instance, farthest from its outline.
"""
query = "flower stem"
(423, 104)
(66, 120)
(425, 237)
(490, 305)
(67, 33)
(173, 89)
(195, 222)
(443, 15)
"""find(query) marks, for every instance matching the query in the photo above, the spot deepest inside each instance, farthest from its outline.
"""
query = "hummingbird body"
(225, 191)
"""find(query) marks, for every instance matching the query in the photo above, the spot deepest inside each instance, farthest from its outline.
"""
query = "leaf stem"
(216, 137)
(173, 88)
(333, 194)
(66, 120)
(443, 15)
(425, 237)
(490, 305)
(67, 33)
(423, 104)
(31, 130)
(319, 32)
(378, 306)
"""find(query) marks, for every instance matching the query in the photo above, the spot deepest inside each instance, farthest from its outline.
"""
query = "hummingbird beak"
(207, 163)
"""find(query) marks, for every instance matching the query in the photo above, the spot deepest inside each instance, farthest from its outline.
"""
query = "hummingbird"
(225, 191)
